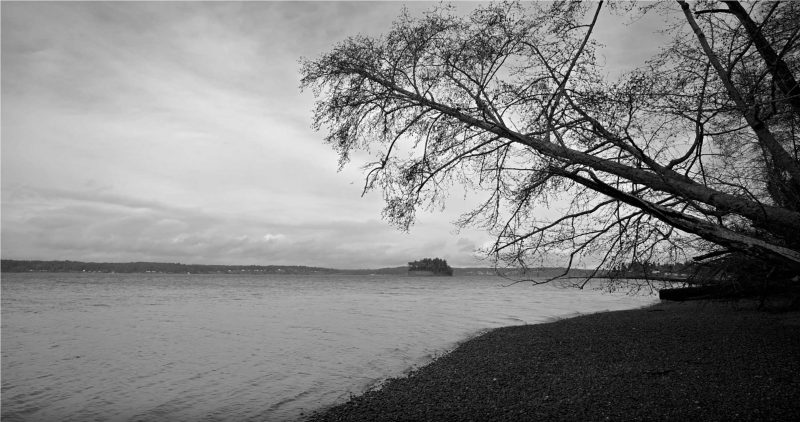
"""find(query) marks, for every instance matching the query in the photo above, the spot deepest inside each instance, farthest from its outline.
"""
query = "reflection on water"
(82, 347)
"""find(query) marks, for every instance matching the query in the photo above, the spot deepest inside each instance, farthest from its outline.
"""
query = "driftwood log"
(694, 293)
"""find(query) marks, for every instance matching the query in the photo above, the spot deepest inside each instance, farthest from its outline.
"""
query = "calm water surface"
(137, 347)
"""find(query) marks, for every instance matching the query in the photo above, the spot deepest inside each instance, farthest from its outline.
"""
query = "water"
(141, 347)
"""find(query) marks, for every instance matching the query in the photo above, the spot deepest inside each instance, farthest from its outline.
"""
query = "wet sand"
(672, 361)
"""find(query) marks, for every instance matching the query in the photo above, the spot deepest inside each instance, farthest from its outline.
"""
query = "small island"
(428, 266)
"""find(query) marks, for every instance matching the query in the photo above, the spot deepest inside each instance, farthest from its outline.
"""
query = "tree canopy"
(436, 265)
(693, 153)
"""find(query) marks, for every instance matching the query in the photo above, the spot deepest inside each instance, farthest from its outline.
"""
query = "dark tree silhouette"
(695, 152)
(436, 265)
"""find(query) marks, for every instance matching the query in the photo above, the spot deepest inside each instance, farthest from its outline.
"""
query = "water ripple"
(116, 347)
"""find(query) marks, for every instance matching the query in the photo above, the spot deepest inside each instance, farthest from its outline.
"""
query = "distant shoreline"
(672, 361)
(25, 266)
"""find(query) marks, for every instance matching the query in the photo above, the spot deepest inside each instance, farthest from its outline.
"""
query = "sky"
(177, 132)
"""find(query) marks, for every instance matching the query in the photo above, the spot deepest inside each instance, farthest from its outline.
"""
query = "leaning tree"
(693, 153)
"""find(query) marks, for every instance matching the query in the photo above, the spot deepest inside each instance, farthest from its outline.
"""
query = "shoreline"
(379, 383)
(668, 361)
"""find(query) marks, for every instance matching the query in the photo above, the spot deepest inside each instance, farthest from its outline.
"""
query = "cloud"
(174, 131)
(101, 225)
(465, 245)
(269, 237)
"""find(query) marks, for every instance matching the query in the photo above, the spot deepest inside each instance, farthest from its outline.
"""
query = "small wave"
(515, 319)
(556, 318)
(281, 403)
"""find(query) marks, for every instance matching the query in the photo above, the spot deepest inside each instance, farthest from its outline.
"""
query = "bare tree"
(695, 151)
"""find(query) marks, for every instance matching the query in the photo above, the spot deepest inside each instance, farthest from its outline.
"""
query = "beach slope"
(673, 361)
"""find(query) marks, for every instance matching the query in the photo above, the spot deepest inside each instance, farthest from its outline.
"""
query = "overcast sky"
(176, 132)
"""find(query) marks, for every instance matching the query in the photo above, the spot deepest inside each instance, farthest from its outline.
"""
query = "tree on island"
(694, 154)
(436, 266)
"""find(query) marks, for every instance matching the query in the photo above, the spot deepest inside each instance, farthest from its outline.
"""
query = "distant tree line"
(436, 265)
(702, 271)
(653, 268)
(10, 265)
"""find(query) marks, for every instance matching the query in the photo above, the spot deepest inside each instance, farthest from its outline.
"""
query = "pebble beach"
(709, 361)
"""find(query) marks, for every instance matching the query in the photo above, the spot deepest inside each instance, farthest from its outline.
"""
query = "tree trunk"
(780, 71)
(779, 155)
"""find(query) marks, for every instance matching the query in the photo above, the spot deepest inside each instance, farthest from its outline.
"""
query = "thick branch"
(710, 232)
(779, 155)
(760, 213)
(777, 67)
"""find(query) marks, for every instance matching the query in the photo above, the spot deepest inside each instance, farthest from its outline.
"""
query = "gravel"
(670, 362)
